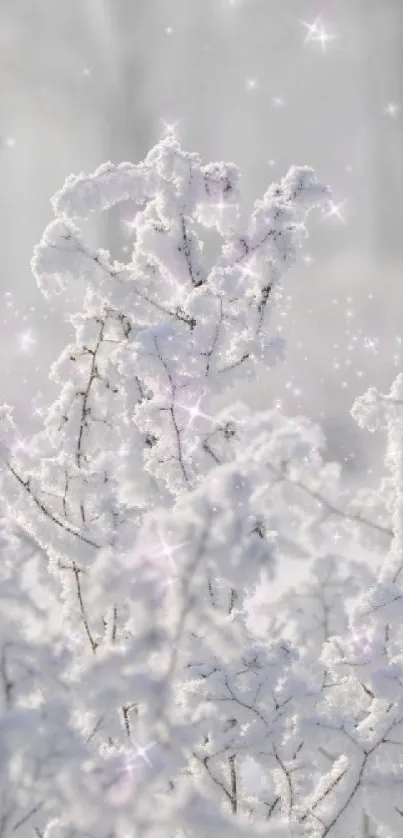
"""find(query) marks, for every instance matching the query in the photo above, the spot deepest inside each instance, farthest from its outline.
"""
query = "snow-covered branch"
(151, 685)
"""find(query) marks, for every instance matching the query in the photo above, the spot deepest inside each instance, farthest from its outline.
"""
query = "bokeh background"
(86, 81)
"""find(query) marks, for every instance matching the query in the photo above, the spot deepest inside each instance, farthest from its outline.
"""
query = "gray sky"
(90, 80)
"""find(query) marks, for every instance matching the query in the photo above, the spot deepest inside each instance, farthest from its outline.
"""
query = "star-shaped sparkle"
(193, 411)
(323, 38)
(170, 128)
(160, 557)
(335, 211)
(312, 28)
(141, 753)
(316, 32)
(131, 771)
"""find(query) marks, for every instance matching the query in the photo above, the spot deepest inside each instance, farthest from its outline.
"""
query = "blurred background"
(262, 83)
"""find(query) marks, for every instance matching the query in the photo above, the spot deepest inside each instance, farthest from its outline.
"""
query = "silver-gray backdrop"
(83, 81)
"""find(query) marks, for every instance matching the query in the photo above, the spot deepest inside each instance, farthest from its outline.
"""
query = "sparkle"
(317, 32)
(19, 445)
(170, 128)
(321, 36)
(313, 29)
(278, 101)
(169, 30)
(166, 552)
(142, 753)
(193, 411)
(251, 84)
(272, 163)
(87, 72)
(131, 770)
(335, 211)
(7, 142)
(371, 344)
(392, 109)
(26, 340)
(38, 411)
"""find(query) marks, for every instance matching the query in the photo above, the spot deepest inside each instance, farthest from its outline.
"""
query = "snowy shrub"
(151, 685)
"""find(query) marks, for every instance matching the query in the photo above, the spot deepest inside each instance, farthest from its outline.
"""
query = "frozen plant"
(121, 488)
(360, 717)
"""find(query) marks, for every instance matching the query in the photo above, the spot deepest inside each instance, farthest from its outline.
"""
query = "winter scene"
(201, 419)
